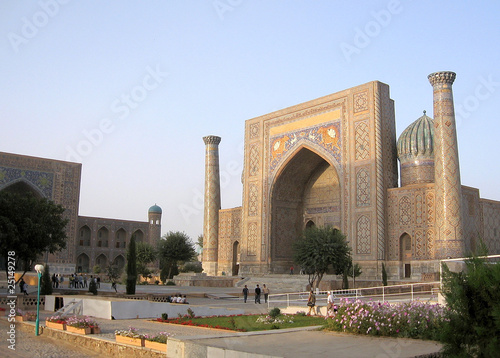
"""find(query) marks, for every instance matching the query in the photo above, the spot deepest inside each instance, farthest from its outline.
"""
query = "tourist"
(291, 270)
(21, 286)
(25, 288)
(113, 285)
(184, 299)
(311, 303)
(85, 281)
(257, 294)
(330, 303)
(265, 291)
(98, 281)
(54, 279)
(61, 279)
(245, 294)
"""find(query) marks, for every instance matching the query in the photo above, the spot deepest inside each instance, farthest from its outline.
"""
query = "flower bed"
(412, 320)
(22, 316)
(157, 341)
(56, 322)
(129, 336)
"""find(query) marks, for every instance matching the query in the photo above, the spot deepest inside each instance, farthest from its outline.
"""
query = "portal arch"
(305, 189)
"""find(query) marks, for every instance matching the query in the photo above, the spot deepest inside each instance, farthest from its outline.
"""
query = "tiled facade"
(90, 240)
(333, 161)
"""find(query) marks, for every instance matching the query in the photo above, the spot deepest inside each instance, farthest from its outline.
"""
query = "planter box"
(79, 330)
(95, 330)
(155, 345)
(54, 325)
(129, 340)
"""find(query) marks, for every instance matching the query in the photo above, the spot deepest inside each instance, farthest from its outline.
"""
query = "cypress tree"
(131, 267)
(384, 275)
(46, 282)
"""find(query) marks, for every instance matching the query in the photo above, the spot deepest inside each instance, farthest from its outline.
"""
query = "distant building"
(91, 240)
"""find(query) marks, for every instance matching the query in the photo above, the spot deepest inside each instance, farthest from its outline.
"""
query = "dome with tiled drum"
(155, 209)
(416, 152)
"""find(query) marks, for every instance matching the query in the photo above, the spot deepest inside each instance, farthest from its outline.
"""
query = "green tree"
(174, 247)
(46, 282)
(384, 275)
(30, 226)
(146, 254)
(320, 249)
(96, 269)
(113, 273)
(199, 243)
(473, 298)
(131, 267)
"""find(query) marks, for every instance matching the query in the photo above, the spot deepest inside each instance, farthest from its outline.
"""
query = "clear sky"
(129, 88)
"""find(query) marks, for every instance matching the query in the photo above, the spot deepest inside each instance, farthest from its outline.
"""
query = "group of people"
(75, 280)
(177, 299)
(330, 303)
(258, 292)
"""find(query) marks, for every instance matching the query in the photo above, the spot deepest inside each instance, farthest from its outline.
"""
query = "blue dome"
(155, 209)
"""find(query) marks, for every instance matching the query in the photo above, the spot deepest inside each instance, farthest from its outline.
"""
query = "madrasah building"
(334, 161)
(90, 241)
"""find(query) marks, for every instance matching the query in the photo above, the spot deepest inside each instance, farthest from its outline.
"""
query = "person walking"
(21, 286)
(245, 294)
(330, 304)
(257, 294)
(265, 291)
(311, 303)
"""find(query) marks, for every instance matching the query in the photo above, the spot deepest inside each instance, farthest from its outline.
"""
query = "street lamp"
(39, 270)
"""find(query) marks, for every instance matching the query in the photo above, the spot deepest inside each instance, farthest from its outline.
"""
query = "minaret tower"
(154, 218)
(449, 231)
(212, 205)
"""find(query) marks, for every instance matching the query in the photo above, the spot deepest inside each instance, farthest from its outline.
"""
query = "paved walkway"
(278, 343)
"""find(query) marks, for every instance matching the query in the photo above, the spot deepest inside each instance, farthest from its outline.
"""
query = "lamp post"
(39, 270)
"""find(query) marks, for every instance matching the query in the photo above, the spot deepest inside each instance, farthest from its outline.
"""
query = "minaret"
(449, 240)
(154, 218)
(212, 205)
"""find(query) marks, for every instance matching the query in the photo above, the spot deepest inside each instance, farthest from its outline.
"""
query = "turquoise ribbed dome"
(155, 209)
(417, 141)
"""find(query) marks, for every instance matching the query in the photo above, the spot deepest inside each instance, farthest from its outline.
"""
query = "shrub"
(275, 326)
(164, 316)
(275, 312)
(191, 267)
(170, 283)
(190, 312)
(473, 298)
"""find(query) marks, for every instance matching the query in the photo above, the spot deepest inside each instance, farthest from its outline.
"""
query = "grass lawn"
(249, 323)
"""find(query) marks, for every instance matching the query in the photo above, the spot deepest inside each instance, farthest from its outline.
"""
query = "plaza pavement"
(299, 342)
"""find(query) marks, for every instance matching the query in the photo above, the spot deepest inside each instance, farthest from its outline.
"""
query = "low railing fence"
(401, 293)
